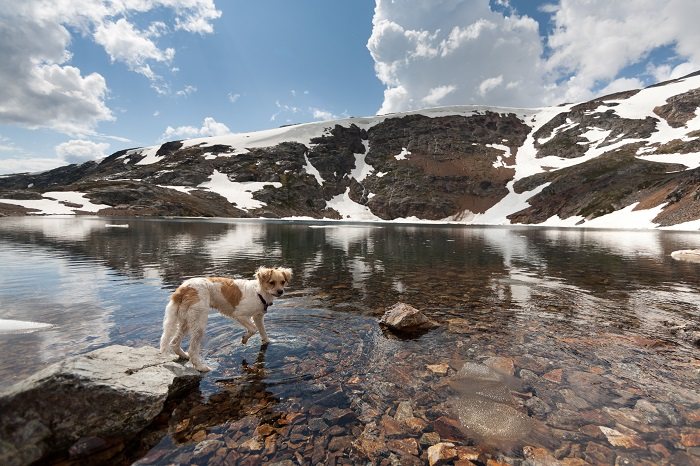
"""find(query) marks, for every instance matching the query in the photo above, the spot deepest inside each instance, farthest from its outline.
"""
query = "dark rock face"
(569, 142)
(450, 167)
(109, 393)
(680, 109)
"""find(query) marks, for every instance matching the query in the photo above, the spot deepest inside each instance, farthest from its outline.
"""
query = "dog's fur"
(189, 305)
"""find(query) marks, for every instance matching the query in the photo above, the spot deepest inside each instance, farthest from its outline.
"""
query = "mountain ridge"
(629, 159)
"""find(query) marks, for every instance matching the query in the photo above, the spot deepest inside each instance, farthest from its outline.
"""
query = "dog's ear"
(286, 272)
(263, 274)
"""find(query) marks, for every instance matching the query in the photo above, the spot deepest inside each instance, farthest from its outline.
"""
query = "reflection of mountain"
(364, 267)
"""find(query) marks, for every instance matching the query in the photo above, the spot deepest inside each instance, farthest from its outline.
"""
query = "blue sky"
(92, 77)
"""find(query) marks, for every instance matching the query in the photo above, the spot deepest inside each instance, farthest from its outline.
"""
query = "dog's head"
(273, 280)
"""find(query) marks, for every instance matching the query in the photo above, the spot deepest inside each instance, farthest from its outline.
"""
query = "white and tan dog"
(243, 300)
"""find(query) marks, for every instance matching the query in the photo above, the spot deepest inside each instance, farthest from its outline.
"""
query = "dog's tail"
(177, 307)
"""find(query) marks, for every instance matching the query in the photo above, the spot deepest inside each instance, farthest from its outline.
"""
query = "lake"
(552, 344)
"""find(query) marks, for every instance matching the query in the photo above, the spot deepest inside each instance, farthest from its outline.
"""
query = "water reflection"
(567, 310)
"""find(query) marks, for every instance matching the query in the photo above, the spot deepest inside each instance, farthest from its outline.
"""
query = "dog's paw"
(202, 367)
(245, 338)
(265, 342)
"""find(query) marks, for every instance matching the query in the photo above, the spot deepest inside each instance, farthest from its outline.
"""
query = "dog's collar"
(264, 303)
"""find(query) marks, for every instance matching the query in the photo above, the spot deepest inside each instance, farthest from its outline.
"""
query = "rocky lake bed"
(549, 347)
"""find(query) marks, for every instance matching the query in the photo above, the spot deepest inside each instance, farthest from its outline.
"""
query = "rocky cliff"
(629, 159)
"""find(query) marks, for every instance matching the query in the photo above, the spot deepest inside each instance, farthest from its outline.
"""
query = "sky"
(82, 79)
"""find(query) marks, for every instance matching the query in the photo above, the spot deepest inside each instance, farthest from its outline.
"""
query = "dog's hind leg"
(170, 326)
(197, 322)
(176, 342)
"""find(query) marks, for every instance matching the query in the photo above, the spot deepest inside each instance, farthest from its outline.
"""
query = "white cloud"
(595, 40)
(28, 165)
(499, 58)
(39, 87)
(320, 114)
(233, 98)
(124, 43)
(210, 127)
(189, 89)
(80, 150)
(487, 85)
(436, 94)
(416, 44)
(283, 108)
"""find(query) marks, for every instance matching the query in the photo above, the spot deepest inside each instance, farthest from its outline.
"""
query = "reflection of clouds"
(343, 237)
(63, 228)
(509, 244)
(361, 271)
(399, 286)
(625, 243)
(38, 287)
(243, 239)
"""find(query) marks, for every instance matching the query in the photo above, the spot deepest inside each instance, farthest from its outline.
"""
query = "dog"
(243, 300)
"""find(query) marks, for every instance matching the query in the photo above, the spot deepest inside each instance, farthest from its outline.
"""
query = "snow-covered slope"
(629, 160)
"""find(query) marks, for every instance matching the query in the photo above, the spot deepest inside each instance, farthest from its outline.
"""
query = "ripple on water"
(310, 349)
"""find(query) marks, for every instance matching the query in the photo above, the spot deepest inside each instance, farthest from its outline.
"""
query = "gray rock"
(111, 392)
(404, 317)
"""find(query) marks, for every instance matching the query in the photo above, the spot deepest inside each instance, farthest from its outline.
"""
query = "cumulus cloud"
(416, 45)
(593, 41)
(80, 150)
(41, 89)
(424, 48)
(210, 127)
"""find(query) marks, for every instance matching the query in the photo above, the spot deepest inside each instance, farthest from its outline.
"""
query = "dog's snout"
(280, 292)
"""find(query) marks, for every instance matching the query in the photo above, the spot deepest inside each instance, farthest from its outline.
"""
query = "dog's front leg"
(260, 324)
(248, 324)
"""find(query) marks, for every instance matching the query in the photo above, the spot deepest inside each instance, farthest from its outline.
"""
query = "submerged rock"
(113, 392)
(485, 406)
(406, 318)
(688, 255)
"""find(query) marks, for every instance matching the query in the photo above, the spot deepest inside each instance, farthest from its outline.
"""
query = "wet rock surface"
(87, 404)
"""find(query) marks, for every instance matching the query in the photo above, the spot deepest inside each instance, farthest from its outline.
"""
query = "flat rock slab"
(111, 392)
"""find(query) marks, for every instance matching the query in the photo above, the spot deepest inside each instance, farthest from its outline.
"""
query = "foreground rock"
(112, 392)
(406, 318)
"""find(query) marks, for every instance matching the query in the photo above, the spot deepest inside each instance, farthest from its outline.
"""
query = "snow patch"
(54, 203)
(689, 160)
(150, 156)
(311, 170)
(403, 154)
(362, 169)
(347, 208)
(239, 193)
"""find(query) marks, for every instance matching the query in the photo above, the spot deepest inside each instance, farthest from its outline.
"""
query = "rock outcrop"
(113, 392)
